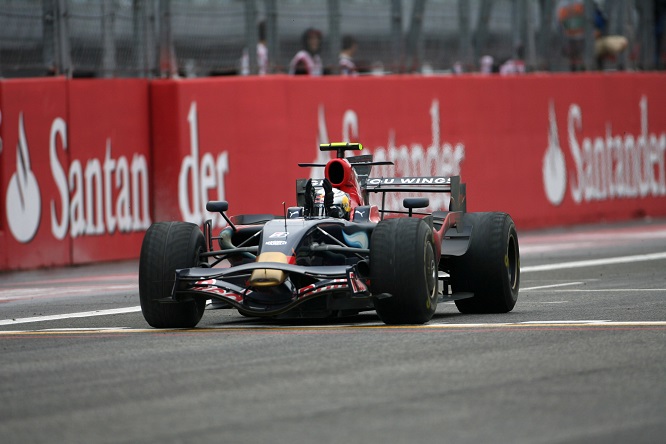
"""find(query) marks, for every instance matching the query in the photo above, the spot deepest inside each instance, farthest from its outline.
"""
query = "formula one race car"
(335, 254)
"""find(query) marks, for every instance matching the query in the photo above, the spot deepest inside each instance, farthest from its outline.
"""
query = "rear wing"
(428, 184)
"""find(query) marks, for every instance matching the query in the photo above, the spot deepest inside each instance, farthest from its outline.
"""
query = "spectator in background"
(346, 59)
(307, 60)
(262, 54)
(514, 65)
(486, 64)
(605, 45)
(571, 17)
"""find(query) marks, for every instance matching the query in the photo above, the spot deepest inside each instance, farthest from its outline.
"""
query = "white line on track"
(551, 286)
(595, 262)
(85, 329)
(547, 267)
(610, 290)
(568, 322)
(84, 314)
(591, 324)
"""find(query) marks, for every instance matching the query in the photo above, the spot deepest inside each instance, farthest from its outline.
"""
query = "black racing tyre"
(403, 264)
(491, 266)
(168, 246)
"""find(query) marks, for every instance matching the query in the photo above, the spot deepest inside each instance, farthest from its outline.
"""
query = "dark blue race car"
(334, 254)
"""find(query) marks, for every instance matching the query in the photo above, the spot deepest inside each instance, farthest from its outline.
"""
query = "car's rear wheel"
(491, 266)
(168, 246)
(403, 265)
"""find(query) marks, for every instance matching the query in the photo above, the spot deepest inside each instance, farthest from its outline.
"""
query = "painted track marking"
(564, 325)
(84, 314)
(540, 287)
(595, 262)
(548, 267)
(610, 290)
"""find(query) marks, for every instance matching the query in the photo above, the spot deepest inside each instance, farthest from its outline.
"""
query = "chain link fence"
(193, 38)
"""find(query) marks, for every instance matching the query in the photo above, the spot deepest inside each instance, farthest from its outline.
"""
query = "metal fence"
(160, 38)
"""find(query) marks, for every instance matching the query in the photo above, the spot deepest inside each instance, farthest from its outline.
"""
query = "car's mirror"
(415, 202)
(217, 206)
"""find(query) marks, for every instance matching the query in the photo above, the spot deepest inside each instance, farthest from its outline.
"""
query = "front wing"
(227, 285)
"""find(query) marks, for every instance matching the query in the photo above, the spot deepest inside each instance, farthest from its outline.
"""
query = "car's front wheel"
(168, 246)
(403, 265)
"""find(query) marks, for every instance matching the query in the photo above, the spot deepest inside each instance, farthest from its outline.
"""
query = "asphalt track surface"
(581, 359)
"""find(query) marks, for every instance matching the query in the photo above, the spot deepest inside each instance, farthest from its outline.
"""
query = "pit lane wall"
(88, 164)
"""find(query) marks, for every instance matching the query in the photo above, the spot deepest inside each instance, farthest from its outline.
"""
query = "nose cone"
(266, 277)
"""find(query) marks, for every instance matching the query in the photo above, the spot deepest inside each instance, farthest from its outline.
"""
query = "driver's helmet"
(319, 198)
(341, 204)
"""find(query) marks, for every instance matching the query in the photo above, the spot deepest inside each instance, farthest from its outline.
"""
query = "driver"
(326, 201)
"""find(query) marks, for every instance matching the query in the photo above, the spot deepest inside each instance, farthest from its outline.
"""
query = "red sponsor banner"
(75, 171)
(548, 149)
(33, 113)
(228, 140)
(3, 210)
(80, 176)
(108, 194)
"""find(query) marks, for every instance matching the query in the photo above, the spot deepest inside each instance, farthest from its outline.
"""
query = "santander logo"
(554, 166)
(23, 199)
(97, 197)
(608, 167)
(201, 177)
